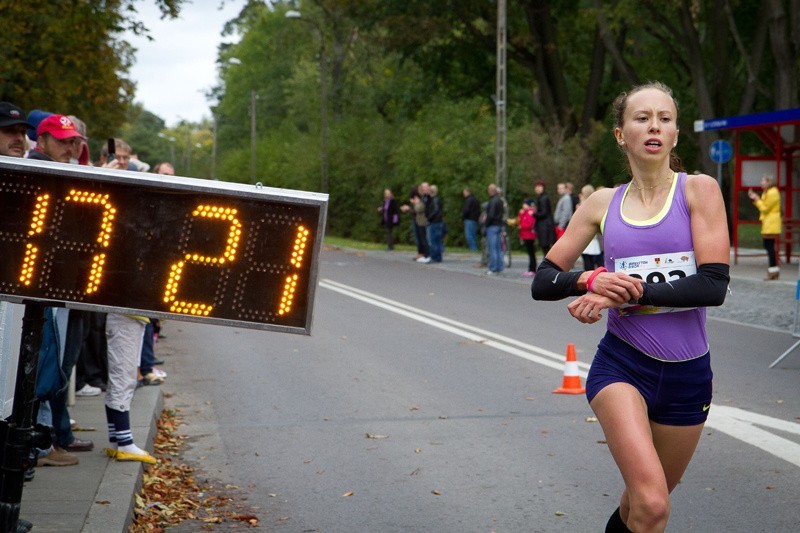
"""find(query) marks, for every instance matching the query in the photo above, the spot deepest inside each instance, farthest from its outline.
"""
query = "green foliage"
(409, 88)
(68, 58)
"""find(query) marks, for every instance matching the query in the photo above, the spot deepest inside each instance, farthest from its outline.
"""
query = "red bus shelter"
(764, 143)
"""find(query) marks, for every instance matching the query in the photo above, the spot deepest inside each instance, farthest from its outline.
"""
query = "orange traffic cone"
(572, 381)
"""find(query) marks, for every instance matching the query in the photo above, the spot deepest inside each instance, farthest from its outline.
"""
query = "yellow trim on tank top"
(660, 215)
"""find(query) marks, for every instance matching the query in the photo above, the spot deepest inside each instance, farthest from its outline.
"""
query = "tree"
(68, 57)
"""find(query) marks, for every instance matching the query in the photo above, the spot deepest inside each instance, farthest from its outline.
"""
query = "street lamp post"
(323, 89)
(252, 136)
(253, 146)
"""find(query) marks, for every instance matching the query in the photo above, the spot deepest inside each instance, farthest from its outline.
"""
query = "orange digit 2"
(223, 214)
(298, 250)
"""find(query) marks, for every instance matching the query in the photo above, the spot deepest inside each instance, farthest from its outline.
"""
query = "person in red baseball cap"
(58, 140)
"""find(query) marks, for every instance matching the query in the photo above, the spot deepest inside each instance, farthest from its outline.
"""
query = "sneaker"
(58, 457)
(424, 260)
(88, 390)
(130, 456)
(528, 274)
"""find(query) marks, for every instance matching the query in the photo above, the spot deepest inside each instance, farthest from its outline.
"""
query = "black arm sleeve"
(551, 283)
(706, 288)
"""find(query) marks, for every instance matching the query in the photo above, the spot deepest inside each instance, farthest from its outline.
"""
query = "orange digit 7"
(102, 241)
(223, 214)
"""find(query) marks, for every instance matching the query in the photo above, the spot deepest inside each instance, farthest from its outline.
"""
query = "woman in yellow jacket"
(769, 207)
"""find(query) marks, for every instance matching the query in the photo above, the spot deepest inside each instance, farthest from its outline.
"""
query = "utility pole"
(501, 172)
(252, 135)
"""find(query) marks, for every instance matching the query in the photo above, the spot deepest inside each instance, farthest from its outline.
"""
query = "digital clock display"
(159, 246)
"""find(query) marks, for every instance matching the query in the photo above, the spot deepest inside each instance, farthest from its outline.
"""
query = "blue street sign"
(721, 151)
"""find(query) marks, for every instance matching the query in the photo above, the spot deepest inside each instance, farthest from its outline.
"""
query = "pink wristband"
(595, 273)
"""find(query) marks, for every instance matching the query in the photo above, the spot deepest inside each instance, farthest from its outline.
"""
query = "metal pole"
(214, 149)
(501, 173)
(252, 136)
(323, 84)
(18, 433)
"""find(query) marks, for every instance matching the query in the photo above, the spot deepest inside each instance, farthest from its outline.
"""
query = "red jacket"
(526, 232)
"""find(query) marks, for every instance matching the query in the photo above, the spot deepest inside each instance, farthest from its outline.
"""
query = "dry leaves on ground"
(170, 493)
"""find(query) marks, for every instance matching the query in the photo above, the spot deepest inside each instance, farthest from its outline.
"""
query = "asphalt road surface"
(423, 401)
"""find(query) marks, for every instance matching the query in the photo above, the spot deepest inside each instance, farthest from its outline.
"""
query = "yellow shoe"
(111, 452)
(128, 456)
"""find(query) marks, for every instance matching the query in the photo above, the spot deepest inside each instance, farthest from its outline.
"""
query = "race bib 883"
(656, 268)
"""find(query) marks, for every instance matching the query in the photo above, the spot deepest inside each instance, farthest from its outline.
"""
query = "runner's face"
(650, 127)
(12, 140)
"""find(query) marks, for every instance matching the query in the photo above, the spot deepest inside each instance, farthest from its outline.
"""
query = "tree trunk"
(785, 65)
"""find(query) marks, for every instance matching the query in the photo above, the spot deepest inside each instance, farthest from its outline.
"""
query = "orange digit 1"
(102, 241)
(31, 250)
(296, 261)
(223, 214)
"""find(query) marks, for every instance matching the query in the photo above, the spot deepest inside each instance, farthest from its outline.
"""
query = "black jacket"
(471, 209)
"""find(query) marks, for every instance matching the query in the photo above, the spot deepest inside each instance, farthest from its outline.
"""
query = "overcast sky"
(175, 70)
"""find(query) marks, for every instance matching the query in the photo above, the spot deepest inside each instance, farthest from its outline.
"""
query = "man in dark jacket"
(470, 213)
(435, 216)
(494, 229)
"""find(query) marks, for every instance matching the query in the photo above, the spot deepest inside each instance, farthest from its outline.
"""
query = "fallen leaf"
(103, 502)
(417, 450)
(530, 398)
(374, 436)
(436, 492)
(347, 494)
(591, 419)
(561, 513)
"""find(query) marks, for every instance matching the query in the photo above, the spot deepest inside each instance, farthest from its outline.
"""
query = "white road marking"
(742, 425)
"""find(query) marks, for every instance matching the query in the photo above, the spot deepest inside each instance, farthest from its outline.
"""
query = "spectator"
(434, 214)
(545, 225)
(769, 212)
(164, 168)
(59, 140)
(527, 217)
(564, 208)
(12, 130)
(470, 213)
(494, 228)
(124, 337)
(593, 254)
(390, 217)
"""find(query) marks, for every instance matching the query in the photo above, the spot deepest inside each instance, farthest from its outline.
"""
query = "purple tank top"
(659, 249)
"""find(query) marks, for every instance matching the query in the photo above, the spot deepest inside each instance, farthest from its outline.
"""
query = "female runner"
(666, 259)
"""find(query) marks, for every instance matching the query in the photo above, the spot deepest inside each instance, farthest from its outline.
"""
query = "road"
(422, 402)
